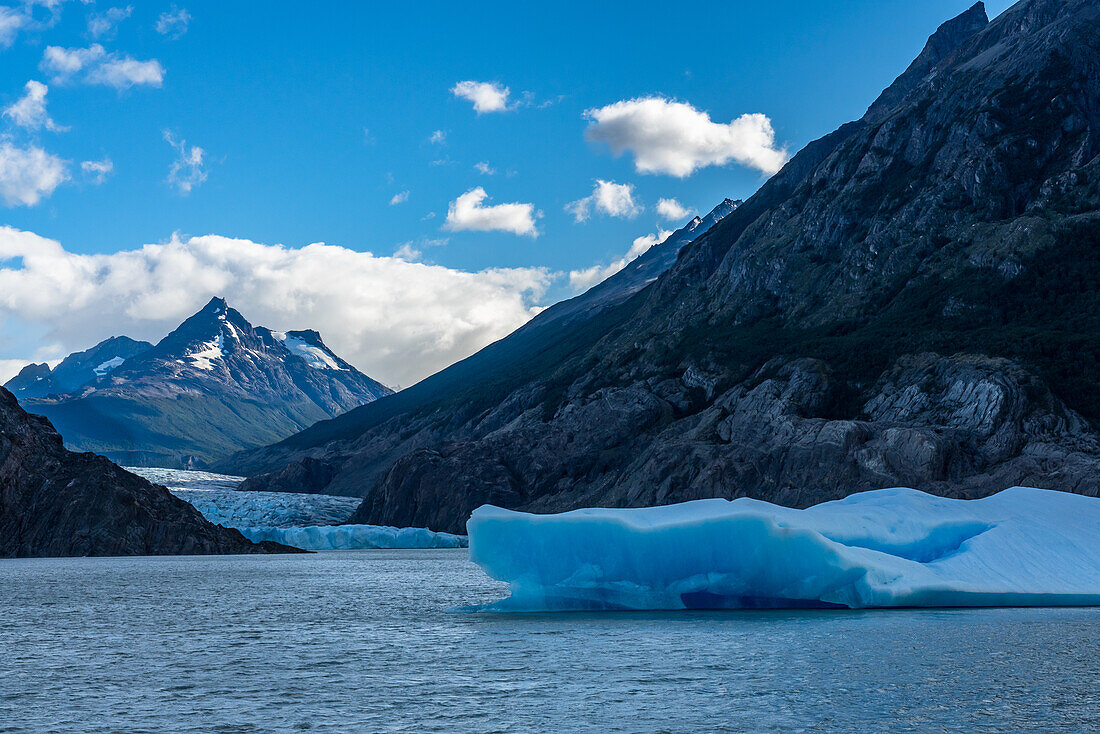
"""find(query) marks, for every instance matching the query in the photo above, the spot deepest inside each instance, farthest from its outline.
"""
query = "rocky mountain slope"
(213, 386)
(57, 503)
(76, 370)
(913, 300)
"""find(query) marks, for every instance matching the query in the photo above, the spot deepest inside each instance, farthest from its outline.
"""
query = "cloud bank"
(396, 320)
(675, 138)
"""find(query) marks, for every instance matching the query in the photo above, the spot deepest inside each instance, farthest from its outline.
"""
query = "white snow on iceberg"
(354, 537)
(886, 548)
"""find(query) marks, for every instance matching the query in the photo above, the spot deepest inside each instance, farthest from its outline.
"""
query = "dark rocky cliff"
(913, 300)
(57, 503)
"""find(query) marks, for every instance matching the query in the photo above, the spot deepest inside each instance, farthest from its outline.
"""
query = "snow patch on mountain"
(107, 366)
(208, 351)
(313, 355)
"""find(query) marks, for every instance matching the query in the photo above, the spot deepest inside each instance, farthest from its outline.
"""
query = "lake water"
(362, 641)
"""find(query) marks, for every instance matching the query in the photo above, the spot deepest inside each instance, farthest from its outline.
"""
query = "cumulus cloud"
(189, 168)
(484, 168)
(28, 175)
(173, 23)
(102, 25)
(608, 197)
(582, 280)
(438, 137)
(468, 212)
(396, 320)
(97, 171)
(96, 65)
(671, 209)
(29, 111)
(399, 198)
(675, 138)
(486, 96)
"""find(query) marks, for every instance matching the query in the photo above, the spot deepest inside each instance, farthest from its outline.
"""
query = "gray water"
(362, 641)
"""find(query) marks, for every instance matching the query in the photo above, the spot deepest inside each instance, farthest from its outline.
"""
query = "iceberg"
(886, 548)
(354, 537)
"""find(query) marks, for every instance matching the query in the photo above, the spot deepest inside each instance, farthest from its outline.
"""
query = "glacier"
(306, 521)
(885, 548)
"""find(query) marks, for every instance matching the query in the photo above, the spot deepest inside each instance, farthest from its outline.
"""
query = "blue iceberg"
(886, 548)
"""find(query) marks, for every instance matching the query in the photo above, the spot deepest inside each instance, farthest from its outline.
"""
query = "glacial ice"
(886, 548)
(353, 537)
(307, 521)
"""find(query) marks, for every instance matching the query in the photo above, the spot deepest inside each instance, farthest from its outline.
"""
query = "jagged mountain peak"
(948, 37)
(245, 384)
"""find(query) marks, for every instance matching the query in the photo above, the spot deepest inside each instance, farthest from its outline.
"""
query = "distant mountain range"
(914, 300)
(213, 386)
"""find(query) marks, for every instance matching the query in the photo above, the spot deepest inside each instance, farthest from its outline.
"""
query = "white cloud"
(173, 23)
(582, 280)
(677, 139)
(98, 171)
(396, 320)
(438, 137)
(189, 168)
(671, 209)
(29, 111)
(468, 213)
(407, 251)
(96, 65)
(102, 25)
(486, 96)
(614, 200)
(484, 168)
(12, 20)
(28, 175)
(399, 198)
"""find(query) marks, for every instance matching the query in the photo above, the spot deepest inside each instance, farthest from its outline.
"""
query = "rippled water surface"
(363, 641)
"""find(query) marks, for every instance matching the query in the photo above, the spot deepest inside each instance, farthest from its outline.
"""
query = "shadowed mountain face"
(913, 300)
(213, 386)
(57, 503)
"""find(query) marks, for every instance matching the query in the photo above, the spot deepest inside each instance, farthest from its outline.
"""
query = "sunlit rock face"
(884, 548)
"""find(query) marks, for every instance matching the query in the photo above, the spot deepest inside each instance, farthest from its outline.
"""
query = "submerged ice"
(887, 548)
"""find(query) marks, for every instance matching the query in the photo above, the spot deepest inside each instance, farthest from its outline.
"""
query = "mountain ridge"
(213, 385)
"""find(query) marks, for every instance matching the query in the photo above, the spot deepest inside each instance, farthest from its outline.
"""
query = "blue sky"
(311, 119)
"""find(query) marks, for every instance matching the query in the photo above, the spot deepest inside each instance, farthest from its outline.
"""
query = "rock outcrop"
(57, 503)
